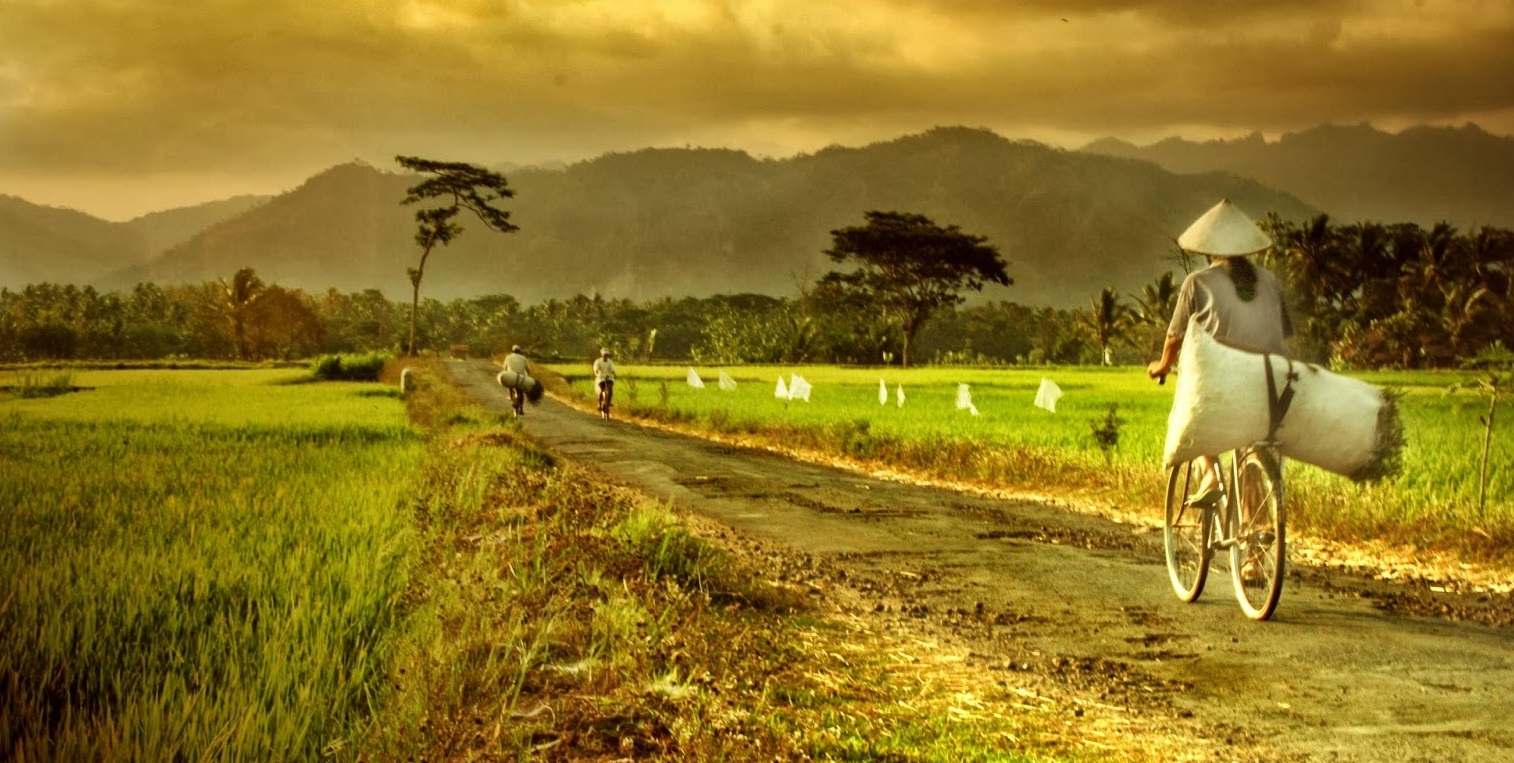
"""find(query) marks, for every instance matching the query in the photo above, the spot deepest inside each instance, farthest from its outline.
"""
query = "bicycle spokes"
(1186, 534)
(1258, 548)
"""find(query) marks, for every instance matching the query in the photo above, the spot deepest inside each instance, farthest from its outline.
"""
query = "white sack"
(1337, 423)
(1048, 395)
(782, 392)
(882, 392)
(527, 385)
(965, 400)
(512, 380)
(694, 380)
(799, 389)
(726, 382)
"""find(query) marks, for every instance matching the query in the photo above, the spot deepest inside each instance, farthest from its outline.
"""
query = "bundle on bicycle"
(1238, 393)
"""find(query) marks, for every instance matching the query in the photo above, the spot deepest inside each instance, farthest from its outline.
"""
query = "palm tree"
(1154, 307)
(1156, 300)
(1107, 321)
(1466, 305)
(237, 299)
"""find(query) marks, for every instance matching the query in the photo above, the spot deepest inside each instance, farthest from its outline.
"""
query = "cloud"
(132, 86)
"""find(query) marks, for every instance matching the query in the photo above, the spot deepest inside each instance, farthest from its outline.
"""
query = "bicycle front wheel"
(1258, 526)
(1187, 532)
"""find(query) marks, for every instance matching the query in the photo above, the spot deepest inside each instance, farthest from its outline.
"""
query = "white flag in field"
(694, 380)
(799, 389)
(782, 393)
(900, 395)
(726, 382)
(882, 392)
(1048, 395)
(965, 400)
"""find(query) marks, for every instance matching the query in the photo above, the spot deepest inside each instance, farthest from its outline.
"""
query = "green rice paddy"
(198, 564)
(1436, 493)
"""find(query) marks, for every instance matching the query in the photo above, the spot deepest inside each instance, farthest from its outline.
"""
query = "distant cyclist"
(604, 380)
(517, 363)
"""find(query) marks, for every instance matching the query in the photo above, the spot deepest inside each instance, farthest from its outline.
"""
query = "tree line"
(243, 318)
(1363, 295)
(1372, 295)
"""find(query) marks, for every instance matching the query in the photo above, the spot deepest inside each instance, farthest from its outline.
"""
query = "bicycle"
(606, 392)
(1247, 519)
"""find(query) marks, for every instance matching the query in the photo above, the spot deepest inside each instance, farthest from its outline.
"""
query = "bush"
(40, 384)
(349, 367)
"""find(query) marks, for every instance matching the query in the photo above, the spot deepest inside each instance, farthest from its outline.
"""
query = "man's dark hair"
(1243, 275)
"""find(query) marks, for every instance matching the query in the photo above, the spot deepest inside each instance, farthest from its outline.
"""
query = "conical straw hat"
(1224, 231)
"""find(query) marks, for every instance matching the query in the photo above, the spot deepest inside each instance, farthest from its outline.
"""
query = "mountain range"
(1425, 175)
(677, 222)
(40, 243)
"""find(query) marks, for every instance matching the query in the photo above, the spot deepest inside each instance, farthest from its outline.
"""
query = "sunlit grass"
(279, 397)
(1004, 400)
(198, 564)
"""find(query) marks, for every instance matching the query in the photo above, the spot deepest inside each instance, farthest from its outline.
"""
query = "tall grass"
(198, 565)
(29, 383)
(1017, 446)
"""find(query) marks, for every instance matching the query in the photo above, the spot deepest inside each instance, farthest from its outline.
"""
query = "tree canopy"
(910, 267)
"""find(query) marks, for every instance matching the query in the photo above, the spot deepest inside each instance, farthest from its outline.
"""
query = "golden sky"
(119, 107)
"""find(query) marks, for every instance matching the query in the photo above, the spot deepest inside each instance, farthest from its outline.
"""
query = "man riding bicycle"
(604, 380)
(517, 363)
(1237, 302)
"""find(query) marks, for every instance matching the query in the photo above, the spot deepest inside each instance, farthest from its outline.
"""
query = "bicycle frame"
(1248, 523)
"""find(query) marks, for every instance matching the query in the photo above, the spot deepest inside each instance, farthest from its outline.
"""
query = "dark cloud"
(133, 86)
(1208, 13)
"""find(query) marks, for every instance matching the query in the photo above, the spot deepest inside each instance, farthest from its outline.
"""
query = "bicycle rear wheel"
(1258, 526)
(1187, 532)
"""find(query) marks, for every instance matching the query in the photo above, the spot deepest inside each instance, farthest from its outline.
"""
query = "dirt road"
(1336, 675)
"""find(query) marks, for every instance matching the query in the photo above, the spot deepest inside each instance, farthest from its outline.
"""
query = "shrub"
(349, 367)
(1106, 432)
(38, 384)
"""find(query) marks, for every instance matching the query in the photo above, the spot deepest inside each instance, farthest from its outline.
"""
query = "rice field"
(1435, 496)
(198, 564)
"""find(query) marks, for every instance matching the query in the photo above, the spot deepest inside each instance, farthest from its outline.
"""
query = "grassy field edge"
(557, 616)
(1333, 523)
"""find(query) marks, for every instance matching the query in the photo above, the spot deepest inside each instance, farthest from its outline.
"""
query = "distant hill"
(1425, 175)
(160, 230)
(675, 222)
(39, 243)
(342, 228)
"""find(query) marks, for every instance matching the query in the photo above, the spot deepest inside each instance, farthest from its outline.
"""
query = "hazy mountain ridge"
(1462, 175)
(159, 231)
(674, 222)
(313, 237)
(39, 243)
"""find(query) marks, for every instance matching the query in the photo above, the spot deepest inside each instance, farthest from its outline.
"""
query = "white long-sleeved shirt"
(604, 370)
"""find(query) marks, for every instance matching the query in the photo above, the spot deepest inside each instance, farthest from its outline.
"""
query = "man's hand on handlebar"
(1157, 370)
